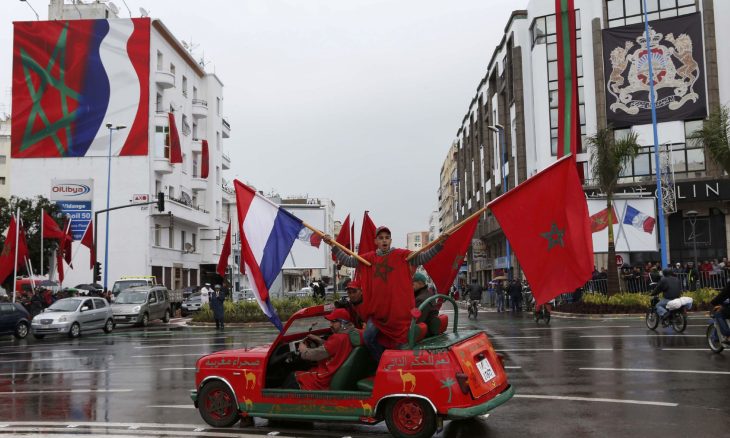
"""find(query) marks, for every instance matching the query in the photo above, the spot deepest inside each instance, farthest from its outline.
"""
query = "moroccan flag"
(51, 230)
(225, 253)
(7, 257)
(568, 111)
(59, 266)
(367, 235)
(445, 265)
(175, 149)
(599, 221)
(205, 161)
(66, 244)
(344, 237)
(546, 221)
(351, 243)
(88, 241)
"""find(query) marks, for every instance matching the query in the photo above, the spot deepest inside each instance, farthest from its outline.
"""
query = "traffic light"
(97, 272)
(160, 202)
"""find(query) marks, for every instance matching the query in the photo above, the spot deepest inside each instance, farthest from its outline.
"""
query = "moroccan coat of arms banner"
(677, 61)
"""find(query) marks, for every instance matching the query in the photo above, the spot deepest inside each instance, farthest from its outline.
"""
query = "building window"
(195, 130)
(217, 175)
(218, 106)
(182, 240)
(195, 164)
(160, 61)
(3, 159)
(184, 162)
(171, 237)
(172, 69)
(218, 210)
(194, 239)
(162, 141)
(625, 12)
(158, 234)
(217, 140)
(159, 107)
(185, 125)
(2, 180)
(543, 32)
(195, 92)
(185, 86)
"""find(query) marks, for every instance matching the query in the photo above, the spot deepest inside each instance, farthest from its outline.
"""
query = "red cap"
(338, 314)
(381, 229)
(354, 284)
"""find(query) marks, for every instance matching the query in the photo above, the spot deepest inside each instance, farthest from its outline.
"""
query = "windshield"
(126, 284)
(65, 305)
(302, 325)
(131, 297)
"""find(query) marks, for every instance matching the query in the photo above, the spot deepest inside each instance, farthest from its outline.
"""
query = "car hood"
(124, 308)
(54, 315)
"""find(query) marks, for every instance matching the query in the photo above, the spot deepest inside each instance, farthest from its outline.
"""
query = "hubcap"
(219, 404)
(408, 416)
(22, 330)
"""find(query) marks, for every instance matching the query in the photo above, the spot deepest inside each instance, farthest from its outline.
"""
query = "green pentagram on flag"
(382, 269)
(47, 81)
(554, 236)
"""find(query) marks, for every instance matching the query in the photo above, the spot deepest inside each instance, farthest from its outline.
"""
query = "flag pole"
(337, 244)
(17, 239)
(42, 211)
(447, 232)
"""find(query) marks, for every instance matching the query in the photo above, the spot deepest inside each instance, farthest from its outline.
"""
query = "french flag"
(639, 220)
(267, 235)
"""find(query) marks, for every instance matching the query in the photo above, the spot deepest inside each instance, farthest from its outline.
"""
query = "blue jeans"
(720, 319)
(661, 307)
(370, 335)
(500, 302)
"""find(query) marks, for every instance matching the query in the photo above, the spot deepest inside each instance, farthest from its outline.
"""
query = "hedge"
(249, 311)
(630, 302)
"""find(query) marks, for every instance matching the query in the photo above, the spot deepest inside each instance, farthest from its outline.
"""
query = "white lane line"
(101, 423)
(183, 345)
(513, 367)
(177, 369)
(558, 349)
(653, 370)
(171, 355)
(50, 351)
(190, 406)
(646, 335)
(42, 359)
(514, 337)
(66, 391)
(686, 349)
(38, 373)
(573, 328)
(588, 399)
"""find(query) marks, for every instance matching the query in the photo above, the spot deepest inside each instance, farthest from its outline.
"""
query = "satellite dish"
(113, 8)
(188, 247)
(144, 12)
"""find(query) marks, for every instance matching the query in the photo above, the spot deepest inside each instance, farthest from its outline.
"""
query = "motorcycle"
(542, 312)
(677, 318)
(713, 334)
(473, 308)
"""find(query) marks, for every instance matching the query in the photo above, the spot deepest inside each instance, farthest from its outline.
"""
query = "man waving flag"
(267, 235)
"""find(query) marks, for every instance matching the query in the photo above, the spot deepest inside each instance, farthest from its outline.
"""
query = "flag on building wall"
(444, 267)
(204, 160)
(568, 109)
(175, 148)
(267, 235)
(225, 254)
(71, 78)
(639, 220)
(599, 221)
(88, 241)
(7, 257)
(546, 221)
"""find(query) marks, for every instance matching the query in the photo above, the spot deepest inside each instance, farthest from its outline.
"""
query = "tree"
(608, 158)
(30, 214)
(714, 136)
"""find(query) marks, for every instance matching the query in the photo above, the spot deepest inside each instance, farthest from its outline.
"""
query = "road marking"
(190, 406)
(572, 328)
(679, 335)
(514, 337)
(51, 351)
(176, 369)
(588, 399)
(182, 345)
(66, 391)
(558, 349)
(38, 373)
(686, 349)
(42, 360)
(653, 370)
(513, 367)
(171, 355)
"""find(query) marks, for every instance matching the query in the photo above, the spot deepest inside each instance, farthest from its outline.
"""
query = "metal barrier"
(712, 280)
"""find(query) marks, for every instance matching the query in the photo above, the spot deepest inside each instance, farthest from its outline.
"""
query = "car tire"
(74, 331)
(21, 330)
(410, 418)
(145, 320)
(166, 318)
(218, 405)
(37, 336)
(108, 326)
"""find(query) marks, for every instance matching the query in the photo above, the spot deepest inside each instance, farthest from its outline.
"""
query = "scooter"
(677, 318)
(473, 309)
(542, 312)
(714, 338)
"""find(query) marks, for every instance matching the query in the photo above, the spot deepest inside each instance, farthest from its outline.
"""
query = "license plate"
(485, 369)
(120, 317)
(46, 321)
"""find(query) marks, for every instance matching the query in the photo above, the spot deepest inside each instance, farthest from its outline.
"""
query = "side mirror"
(84, 308)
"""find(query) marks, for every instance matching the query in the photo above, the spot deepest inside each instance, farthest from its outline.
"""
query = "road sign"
(140, 197)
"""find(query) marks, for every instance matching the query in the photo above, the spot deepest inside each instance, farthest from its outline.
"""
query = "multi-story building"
(416, 240)
(4, 157)
(447, 189)
(433, 226)
(510, 129)
(180, 245)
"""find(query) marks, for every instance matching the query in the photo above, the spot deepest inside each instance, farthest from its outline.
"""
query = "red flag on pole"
(599, 221)
(344, 237)
(205, 161)
(225, 253)
(351, 243)
(7, 257)
(444, 267)
(51, 230)
(175, 149)
(66, 243)
(59, 266)
(568, 105)
(367, 235)
(546, 221)
(88, 241)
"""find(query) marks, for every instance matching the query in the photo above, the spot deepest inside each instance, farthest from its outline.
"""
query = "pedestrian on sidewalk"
(205, 293)
(499, 291)
(216, 304)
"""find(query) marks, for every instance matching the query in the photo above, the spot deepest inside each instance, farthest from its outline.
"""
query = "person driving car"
(329, 354)
(671, 288)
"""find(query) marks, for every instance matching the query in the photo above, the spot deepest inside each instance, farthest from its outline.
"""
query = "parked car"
(303, 292)
(244, 295)
(140, 305)
(192, 304)
(14, 319)
(73, 316)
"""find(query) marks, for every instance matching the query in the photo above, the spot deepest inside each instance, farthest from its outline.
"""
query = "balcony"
(196, 145)
(198, 184)
(162, 165)
(226, 128)
(162, 118)
(200, 109)
(164, 79)
(182, 210)
(225, 161)
(229, 194)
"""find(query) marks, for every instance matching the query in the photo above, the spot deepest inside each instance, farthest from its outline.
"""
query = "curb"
(607, 315)
(233, 324)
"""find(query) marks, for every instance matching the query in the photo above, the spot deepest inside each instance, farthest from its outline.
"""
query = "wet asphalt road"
(577, 377)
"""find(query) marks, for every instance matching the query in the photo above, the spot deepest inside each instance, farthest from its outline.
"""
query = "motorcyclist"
(721, 311)
(671, 288)
(475, 292)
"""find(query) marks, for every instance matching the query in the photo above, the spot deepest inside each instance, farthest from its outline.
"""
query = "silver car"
(140, 305)
(72, 316)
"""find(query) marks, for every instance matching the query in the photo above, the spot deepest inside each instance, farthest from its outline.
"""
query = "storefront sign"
(74, 199)
(711, 190)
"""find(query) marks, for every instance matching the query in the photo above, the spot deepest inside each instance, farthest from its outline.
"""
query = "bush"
(249, 311)
(631, 302)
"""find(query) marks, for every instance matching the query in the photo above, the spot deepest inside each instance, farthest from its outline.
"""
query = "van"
(142, 304)
(126, 282)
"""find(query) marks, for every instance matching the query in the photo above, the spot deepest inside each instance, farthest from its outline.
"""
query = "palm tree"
(608, 158)
(714, 136)
(448, 383)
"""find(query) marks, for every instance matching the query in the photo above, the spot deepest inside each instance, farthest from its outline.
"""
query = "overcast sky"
(352, 100)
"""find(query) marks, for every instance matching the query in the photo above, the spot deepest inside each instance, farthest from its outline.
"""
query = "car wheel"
(109, 326)
(21, 330)
(166, 318)
(75, 330)
(217, 405)
(410, 418)
(38, 336)
(145, 320)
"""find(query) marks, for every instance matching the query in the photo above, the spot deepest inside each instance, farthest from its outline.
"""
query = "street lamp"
(32, 9)
(108, 191)
(499, 129)
(692, 215)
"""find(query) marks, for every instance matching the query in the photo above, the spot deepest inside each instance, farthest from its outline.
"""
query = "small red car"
(454, 375)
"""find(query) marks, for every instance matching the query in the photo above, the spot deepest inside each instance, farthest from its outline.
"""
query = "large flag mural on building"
(678, 66)
(71, 78)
